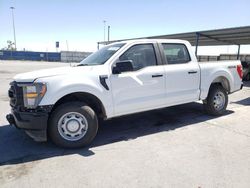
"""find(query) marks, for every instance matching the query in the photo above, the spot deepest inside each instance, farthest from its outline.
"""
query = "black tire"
(210, 105)
(57, 134)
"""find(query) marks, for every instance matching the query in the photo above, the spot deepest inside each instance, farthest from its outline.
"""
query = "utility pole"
(108, 32)
(67, 45)
(13, 21)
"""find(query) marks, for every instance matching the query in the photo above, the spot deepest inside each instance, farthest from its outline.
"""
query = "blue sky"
(40, 23)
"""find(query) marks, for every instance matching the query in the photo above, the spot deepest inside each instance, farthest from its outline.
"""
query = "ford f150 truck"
(121, 78)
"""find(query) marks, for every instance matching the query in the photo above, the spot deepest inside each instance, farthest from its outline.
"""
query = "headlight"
(33, 94)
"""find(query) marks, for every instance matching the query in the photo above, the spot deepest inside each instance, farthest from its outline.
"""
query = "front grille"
(15, 94)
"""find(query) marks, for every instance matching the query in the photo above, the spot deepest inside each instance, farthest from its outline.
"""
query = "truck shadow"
(246, 83)
(245, 102)
(16, 147)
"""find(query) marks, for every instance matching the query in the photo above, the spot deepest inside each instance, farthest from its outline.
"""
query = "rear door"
(144, 87)
(182, 74)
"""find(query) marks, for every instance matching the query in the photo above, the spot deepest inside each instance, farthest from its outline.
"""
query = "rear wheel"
(217, 100)
(73, 125)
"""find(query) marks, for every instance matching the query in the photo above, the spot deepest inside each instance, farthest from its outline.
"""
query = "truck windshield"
(102, 55)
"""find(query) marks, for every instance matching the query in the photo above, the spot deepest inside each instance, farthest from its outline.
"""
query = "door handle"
(157, 75)
(192, 72)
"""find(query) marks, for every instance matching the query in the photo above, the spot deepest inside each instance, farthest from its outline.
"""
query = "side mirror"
(122, 66)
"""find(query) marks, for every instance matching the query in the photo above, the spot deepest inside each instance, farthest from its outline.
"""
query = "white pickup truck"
(121, 78)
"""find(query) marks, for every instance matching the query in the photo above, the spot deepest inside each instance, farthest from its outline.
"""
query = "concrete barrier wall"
(71, 56)
(247, 58)
(208, 58)
(228, 57)
(243, 57)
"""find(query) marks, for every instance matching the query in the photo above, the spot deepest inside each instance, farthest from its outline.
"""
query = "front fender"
(58, 88)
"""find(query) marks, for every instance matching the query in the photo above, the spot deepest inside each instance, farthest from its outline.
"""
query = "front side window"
(176, 53)
(141, 55)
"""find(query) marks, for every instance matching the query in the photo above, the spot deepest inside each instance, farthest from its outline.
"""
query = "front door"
(144, 87)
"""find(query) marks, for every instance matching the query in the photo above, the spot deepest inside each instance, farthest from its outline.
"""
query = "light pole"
(13, 21)
(104, 28)
(108, 32)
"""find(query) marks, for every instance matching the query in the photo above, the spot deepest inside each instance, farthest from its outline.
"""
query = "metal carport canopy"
(227, 36)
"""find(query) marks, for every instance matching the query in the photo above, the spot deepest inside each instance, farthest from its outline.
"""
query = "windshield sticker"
(114, 48)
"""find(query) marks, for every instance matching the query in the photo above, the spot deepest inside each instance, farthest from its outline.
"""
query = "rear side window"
(176, 53)
(141, 55)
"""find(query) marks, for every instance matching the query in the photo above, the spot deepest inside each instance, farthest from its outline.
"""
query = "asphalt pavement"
(179, 146)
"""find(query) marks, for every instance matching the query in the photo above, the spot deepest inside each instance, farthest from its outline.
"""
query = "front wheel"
(217, 100)
(73, 125)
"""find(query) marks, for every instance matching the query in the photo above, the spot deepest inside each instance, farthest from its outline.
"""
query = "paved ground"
(174, 147)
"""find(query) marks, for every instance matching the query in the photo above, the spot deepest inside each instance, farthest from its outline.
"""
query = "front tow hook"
(11, 119)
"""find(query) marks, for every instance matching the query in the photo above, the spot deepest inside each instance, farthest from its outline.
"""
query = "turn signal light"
(31, 95)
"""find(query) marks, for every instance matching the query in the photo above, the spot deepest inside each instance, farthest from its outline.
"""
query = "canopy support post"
(197, 43)
(238, 54)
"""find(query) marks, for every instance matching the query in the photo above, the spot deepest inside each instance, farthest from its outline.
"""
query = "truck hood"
(32, 76)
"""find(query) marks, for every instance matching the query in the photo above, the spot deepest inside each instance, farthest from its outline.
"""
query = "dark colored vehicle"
(246, 70)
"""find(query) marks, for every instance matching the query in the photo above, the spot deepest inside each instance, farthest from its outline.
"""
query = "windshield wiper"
(82, 65)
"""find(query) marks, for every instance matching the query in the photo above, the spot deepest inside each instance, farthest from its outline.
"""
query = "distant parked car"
(246, 70)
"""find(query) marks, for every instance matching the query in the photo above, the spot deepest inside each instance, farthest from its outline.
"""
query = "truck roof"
(155, 40)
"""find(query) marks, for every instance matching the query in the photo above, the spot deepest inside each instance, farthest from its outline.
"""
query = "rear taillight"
(240, 72)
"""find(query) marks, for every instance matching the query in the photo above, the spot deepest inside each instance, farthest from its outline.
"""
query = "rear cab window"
(176, 53)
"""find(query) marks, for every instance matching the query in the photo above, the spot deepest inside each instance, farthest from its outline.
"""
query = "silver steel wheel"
(72, 126)
(219, 100)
